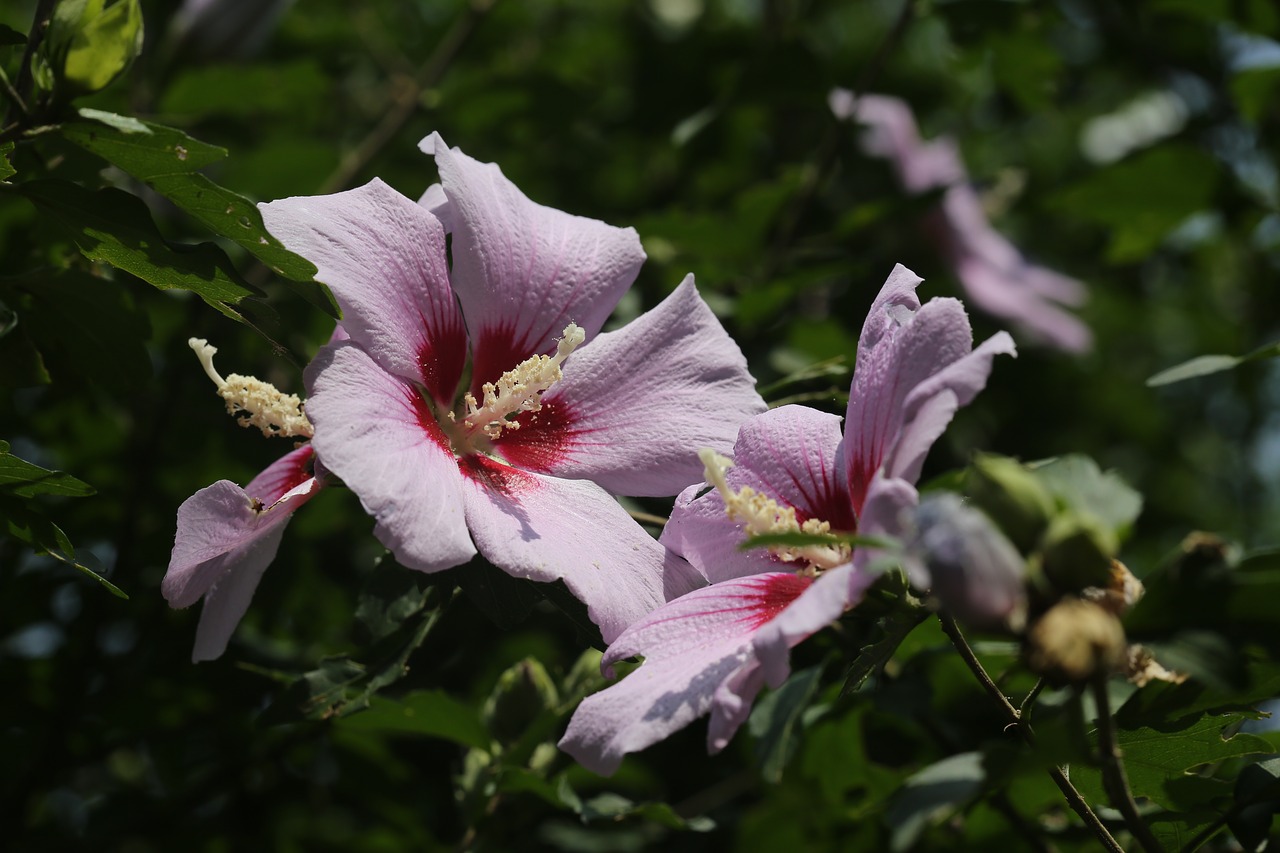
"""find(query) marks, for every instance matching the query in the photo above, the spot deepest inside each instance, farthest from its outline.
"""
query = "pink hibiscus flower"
(518, 462)
(712, 650)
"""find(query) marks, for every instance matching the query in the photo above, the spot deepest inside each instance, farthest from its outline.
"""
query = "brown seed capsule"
(1121, 592)
(1074, 640)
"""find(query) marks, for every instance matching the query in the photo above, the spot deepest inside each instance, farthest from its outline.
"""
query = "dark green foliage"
(362, 706)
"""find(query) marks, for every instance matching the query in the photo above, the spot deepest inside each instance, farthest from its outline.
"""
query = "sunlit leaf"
(169, 161)
(22, 479)
(115, 227)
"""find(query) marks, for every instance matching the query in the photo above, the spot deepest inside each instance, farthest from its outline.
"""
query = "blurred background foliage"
(703, 123)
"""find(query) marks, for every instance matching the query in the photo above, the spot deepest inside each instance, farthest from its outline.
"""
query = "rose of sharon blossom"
(793, 470)
(517, 462)
(995, 275)
(227, 536)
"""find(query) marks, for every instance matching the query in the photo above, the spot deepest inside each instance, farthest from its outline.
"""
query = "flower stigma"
(265, 406)
(761, 514)
(518, 390)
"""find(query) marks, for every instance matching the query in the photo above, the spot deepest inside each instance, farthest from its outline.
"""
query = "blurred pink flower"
(995, 275)
(712, 650)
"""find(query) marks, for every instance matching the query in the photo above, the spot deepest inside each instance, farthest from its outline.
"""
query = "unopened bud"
(522, 693)
(1012, 496)
(975, 572)
(89, 44)
(1074, 640)
(1077, 551)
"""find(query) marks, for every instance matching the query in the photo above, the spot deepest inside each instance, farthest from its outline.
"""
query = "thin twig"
(1114, 778)
(647, 518)
(39, 24)
(405, 102)
(1025, 707)
(1073, 797)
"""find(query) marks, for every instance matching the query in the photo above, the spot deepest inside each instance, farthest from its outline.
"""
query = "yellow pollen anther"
(266, 407)
(761, 514)
(518, 390)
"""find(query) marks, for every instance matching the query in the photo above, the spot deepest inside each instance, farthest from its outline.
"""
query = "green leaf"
(391, 595)
(88, 329)
(115, 227)
(1206, 365)
(614, 807)
(10, 36)
(6, 168)
(1143, 198)
(932, 794)
(8, 319)
(22, 479)
(1080, 485)
(895, 626)
(427, 713)
(25, 524)
(775, 721)
(168, 161)
(798, 539)
(1157, 761)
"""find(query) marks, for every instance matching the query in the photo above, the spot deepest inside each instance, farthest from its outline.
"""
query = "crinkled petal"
(691, 647)
(635, 405)
(701, 532)
(788, 454)
(384, 259)
(523, 271)
(825, 601)
(907, 349)
(378, 435)
(930, 405)
(546, 529)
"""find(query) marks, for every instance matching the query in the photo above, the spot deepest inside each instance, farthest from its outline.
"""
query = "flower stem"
(1114, 778)
(1073, 797)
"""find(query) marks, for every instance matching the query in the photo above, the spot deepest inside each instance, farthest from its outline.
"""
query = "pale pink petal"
(731, 705)
(891, 133)
(691, 647)
(635, 405)
(437, 204)
(378, 435)
(930, 405)
(1011, 296)
(1001, 282)
(902, 350)
(788, 454)
(227, 598)
(384, 259)
(226, 537)
(701, 532)
(220, 520)
(825, 601)
(546, 529)
(523, 271)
